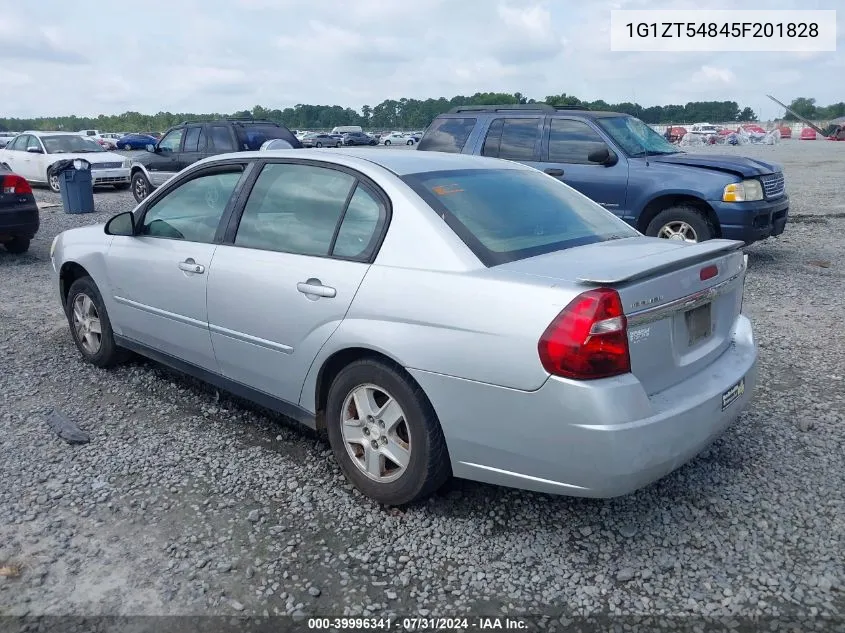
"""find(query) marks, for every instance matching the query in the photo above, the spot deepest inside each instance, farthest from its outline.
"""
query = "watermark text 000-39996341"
(664, 30)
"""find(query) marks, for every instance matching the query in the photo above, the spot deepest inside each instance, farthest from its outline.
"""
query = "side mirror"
(603, 156)
(121, 224)
(150, 148)
(32, 149)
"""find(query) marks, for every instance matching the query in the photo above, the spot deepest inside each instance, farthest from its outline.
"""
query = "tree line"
(412, 114)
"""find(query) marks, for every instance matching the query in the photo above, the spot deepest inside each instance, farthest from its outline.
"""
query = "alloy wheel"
(679, 230)
(375, 433)
(86, 323)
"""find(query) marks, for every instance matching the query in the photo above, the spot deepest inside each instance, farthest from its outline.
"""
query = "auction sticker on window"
(730, 396)
(659, 30)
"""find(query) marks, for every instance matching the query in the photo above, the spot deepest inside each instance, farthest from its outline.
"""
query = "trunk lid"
(678, 323)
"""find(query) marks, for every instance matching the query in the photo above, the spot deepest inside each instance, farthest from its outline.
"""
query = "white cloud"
(226, 55)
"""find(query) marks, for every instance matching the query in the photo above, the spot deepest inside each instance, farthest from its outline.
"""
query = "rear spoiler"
(656, 263)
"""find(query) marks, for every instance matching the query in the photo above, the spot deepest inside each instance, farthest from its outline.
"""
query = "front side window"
(294, 209)
(192, 211)
(504, 215)
(447, 135)
(172, 141)
(571, 141)
(19, 143)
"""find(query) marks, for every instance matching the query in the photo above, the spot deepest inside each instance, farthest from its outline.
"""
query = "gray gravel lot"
(186, 502)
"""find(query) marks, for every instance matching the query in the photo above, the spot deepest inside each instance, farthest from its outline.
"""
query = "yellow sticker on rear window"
(445, 190)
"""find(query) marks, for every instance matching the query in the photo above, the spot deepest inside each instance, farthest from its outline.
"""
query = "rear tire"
(416, 438)
(682, 220)
(410, 142)
(17, 245)
(127, 147)
(387, 142)
(86, 313)
(318, 145)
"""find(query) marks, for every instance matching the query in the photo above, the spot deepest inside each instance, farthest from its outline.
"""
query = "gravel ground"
(190, 502)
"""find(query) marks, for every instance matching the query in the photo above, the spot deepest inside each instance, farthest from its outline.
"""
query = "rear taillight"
(588, 339)
(15, 185)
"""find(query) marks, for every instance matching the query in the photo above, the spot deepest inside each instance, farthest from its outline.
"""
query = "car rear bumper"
(601, 438)
(19, 221)
(752, 221)
(110, 176)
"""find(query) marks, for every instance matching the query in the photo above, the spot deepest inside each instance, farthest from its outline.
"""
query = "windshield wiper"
(85, 151)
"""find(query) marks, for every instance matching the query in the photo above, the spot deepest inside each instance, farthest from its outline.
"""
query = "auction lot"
(189, 501)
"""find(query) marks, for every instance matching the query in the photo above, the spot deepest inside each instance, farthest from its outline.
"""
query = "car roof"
(400, 162)
(43, 133)
(527, 111)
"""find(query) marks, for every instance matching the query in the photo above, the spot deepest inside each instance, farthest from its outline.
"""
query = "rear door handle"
(551, 171)
(315, 288)
(190, 266)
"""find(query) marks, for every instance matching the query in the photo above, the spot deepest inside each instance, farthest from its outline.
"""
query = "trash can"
(76, 185)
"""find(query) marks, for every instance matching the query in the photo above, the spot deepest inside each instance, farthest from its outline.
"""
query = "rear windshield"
(504, 215)
(255, 135)
(447, 135)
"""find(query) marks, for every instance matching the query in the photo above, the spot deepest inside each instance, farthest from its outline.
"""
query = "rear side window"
(504, 215)
(222, 139)
(512, 139)
(255, 135)
(572, 141)
(447, 135)
(193, 138)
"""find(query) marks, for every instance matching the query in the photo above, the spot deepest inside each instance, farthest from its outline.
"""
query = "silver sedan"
(436, 314)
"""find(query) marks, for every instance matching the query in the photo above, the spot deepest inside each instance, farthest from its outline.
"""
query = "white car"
(396, 138)
(33, 154)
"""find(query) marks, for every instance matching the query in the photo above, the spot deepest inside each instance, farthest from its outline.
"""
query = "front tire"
(141, 187)
(17, 245)
(387, 142)
(410, 142)
(319, 145)
(90, 325)
(53, 181)
(682, 223)
(385, 434)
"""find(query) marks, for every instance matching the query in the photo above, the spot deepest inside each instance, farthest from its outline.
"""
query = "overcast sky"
(107, 56)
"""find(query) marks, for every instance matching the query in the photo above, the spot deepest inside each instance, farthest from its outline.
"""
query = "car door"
(193, 147)
(158, 276)
(168, 157)
(284, 282)
(30, 162)
(514, 138)
(567, 143)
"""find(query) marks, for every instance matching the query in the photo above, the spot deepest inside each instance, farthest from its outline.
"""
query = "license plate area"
(699, 323)
(732, 395)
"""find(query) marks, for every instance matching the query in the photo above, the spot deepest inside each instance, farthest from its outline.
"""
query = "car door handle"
(316, 288)
(554, 172)
(190, 266)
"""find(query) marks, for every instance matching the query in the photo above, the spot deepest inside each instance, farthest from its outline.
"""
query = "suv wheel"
(683, 223)
(140, 186)
(17, 245)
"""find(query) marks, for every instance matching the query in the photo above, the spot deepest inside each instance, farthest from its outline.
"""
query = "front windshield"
(635, 137)
(70, 144)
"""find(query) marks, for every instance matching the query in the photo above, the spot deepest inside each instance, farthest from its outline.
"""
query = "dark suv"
(627, 167)
(188, 142)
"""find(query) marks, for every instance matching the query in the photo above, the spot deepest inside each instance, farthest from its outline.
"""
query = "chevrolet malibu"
(436, 314)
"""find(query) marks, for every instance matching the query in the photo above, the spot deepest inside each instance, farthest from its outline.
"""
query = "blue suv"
(628, 168)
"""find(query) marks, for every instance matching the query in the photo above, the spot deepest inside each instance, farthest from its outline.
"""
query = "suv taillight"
(14, 184)
(588, 339)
